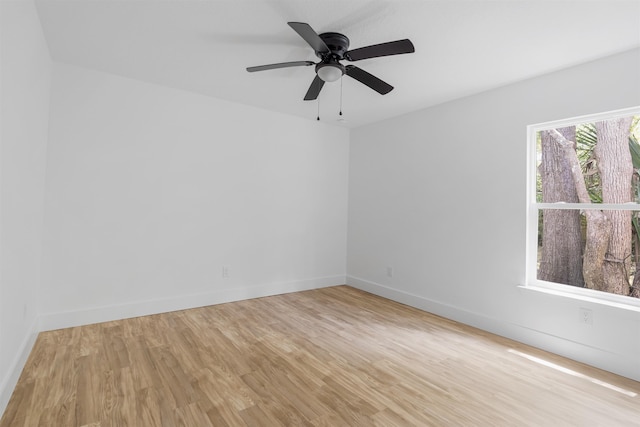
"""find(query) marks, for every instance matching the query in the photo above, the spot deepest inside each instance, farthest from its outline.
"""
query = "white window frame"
(533, 207)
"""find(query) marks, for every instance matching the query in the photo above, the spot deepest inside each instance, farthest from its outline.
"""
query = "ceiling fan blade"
(314, 89)
(368, 79)
(280, 65)
(383, 49)
(310, 36)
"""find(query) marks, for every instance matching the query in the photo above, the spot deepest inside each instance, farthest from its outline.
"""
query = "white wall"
(151, 191)
(25, 83)
(439, 195)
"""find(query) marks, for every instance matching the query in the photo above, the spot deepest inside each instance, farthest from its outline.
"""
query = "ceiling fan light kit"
(330, 72)
(332, 48)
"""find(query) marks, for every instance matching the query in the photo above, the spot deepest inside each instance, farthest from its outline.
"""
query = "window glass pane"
(593, 249)
(591, 162)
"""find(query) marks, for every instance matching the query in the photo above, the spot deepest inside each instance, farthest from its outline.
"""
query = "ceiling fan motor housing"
(337, 43)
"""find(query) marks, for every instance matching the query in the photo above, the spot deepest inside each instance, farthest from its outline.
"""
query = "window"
(584, 206)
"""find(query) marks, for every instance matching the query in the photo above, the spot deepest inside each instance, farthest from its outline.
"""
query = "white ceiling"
(462, 47)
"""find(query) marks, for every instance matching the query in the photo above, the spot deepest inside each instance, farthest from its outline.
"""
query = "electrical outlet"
(225, 272)
(586, 316)
(389, 271)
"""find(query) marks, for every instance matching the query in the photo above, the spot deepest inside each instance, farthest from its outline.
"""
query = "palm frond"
(634, 147)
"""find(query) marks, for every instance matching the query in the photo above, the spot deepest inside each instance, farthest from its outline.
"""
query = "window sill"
(607, 300)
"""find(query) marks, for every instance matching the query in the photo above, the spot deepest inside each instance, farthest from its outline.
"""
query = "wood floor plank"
(60, 415)
(173, 377)
(216, 418)
(192, 415)
(88, 392)
(230, 388)
(328, 357)
(148, 411)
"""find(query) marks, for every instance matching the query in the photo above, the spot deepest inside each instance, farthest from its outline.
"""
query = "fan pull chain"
(340, 113)
(318, 118)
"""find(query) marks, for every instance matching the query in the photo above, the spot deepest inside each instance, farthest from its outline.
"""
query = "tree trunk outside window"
(561, 254)
(598, 229)
(616, 171)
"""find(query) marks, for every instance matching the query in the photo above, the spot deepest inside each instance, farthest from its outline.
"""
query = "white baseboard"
(600, 358)
(67, 319)
(9, 382)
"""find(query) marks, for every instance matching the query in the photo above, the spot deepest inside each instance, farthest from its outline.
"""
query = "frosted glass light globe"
(329, 73)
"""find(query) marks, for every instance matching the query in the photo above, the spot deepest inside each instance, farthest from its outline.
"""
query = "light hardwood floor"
(329, 357)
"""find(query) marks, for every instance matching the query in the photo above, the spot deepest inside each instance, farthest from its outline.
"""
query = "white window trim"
(533, 207)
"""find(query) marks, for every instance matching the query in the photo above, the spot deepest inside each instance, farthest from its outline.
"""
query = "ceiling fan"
(331, 48)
